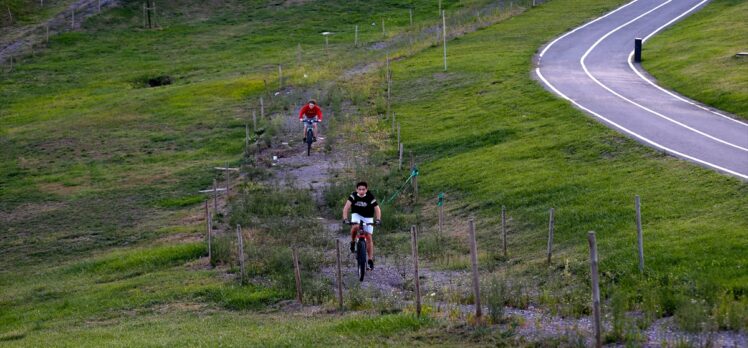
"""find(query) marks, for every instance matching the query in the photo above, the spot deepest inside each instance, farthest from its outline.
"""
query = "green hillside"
(102, 230)
(697, 57)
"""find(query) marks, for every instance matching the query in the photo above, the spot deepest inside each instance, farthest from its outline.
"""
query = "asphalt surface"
(592, 66)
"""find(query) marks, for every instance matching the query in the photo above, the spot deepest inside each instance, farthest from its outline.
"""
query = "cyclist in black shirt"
(364, 207)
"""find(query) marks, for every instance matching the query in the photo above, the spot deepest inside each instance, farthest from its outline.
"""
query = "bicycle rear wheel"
(361, 258)
(309, 141)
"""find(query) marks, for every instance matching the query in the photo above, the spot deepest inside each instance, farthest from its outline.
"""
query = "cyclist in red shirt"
(310, 111)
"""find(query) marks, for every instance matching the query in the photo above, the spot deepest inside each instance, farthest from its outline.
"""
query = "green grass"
(98, 176)
(696, 57)
(488, 135)
(231, 329)
(95, 163)
(80, 134)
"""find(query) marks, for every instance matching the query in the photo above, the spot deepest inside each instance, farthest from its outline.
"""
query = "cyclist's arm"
(301, 112)
(346, 209)
(319, 114)
(377, 213)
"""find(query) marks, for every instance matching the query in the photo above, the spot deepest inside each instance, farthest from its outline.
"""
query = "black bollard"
(637, 50)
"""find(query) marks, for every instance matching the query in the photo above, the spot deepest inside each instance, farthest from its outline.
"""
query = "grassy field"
(488, 135)
(697, 56)
(98, 177)
(81, 133)
(99, 174)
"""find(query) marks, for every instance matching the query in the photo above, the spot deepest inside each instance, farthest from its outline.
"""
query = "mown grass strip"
(697, 57)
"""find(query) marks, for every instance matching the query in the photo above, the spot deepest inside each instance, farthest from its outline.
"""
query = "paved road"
(592, 67)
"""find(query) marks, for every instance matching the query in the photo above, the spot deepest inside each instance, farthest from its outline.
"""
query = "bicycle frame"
(361, 252)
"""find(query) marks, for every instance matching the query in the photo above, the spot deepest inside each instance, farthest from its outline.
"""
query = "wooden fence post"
(595, 288)
(503, 229)
(551, 223)
(228, 183)
(240, 240)
(246, 140)
(254, 121)
(209, 228)
(415, 178)
(401, 157)
(441, 218)
(262, 108)
(215, 197)
(398, 133)
(414, 249)
(410, 12)
(640, 237)
(474, 263)
(297, 274)
(355, 37)
(340, 278)
(444, 38)
(280, 77)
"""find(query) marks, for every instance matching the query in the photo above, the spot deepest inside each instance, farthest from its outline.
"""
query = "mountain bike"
(361, 248)
(309, 138)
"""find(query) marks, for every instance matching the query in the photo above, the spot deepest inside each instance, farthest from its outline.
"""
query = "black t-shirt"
(363, 206)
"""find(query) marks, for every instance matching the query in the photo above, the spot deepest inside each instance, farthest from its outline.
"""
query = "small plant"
(388, 303)
(316, 290)
(693, 315)
(222, 249)
(495, 296)
(731, 313)
(357, 298)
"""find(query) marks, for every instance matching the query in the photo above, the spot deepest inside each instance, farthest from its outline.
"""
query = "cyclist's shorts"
(368, 228)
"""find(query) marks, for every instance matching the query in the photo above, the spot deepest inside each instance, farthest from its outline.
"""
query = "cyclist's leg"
(369, 241)
(370, 246)
(354, 232)
(315, 130)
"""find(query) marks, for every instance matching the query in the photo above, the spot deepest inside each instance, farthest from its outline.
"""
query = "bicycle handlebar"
(360, 223)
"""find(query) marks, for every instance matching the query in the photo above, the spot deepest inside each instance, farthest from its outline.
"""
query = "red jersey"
(310, 112)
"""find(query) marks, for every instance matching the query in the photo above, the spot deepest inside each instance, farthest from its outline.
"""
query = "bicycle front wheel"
(361, 258)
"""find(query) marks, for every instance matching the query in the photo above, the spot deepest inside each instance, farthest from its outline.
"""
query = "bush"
(495, 295)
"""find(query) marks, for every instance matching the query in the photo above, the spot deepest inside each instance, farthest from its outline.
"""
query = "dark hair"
(362, 183)
(312, 101)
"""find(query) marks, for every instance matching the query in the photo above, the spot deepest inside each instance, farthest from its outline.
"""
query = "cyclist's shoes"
(371, 265)
(353, 247)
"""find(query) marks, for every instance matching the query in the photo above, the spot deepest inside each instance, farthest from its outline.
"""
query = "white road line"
(583, 26)
(638, 136)
(631, 65)
(584, 67)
